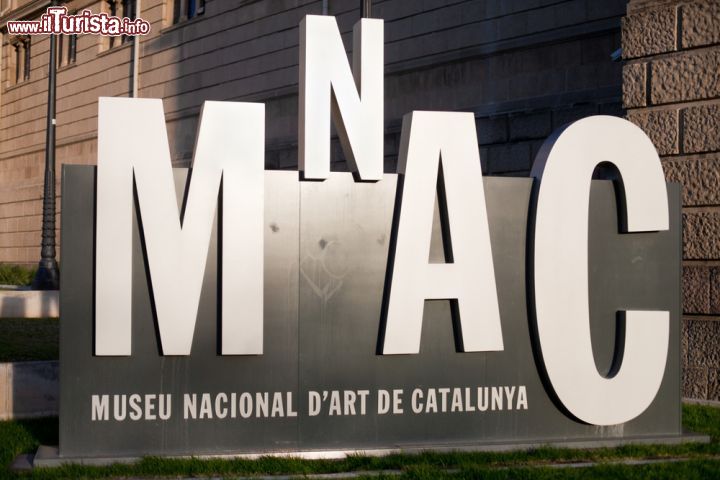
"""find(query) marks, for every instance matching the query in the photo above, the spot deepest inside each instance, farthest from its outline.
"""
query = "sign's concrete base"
(48, 457)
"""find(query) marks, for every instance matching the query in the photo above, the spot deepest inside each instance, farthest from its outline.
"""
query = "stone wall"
(671, 88)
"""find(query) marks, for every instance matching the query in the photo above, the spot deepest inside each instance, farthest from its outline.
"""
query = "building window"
(112, 7)
(129, 11)
(18, 60)
(72, 48)
(26, 63)
(21, 57)
(66, 49)
(187, 9)
(120, 8)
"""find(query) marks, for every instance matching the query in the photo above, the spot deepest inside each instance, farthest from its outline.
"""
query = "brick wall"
(671, 88)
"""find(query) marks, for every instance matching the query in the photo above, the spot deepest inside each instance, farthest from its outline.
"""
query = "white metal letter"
(564, 167)
(426, 137)
(358, 117)
(229, 148)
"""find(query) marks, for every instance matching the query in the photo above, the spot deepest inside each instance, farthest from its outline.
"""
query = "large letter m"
(228, 158)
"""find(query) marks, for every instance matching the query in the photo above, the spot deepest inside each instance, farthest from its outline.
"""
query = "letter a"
(470, 278)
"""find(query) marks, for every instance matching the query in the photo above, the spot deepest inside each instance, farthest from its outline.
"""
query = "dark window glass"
(129, 8)
(195, 7)
(26, 74)
(176, 11)
(72, 48)
(18, 61)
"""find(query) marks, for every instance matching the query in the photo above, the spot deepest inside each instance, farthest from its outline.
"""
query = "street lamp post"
(48, 276)
(366, 8)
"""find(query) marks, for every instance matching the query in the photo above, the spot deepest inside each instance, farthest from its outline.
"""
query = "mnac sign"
(228, 309)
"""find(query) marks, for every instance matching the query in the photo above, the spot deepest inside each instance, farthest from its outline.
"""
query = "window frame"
(186, 10)
(20, 52)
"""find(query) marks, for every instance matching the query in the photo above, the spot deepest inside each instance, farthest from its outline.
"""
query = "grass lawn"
(699, 461)
(28, 339)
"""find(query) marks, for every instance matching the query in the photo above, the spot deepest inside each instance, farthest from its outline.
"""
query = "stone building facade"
(671, 87)
(524, 67)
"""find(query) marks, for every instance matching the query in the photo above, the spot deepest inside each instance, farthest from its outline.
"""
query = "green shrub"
(16, 275)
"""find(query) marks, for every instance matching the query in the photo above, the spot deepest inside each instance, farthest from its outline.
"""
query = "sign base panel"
(326, 257)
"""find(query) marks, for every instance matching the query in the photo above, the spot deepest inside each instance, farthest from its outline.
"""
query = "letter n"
(469, 277)
(228, 152)
(357, 97)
